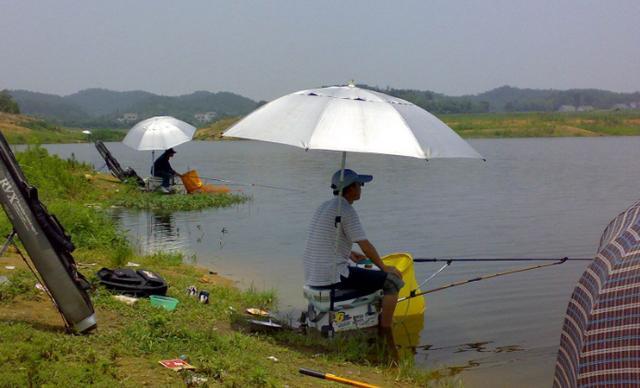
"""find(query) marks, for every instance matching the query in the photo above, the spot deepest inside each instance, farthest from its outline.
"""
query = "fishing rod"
(413, 293)
(230, 182)
(338, 379)
(435, 259)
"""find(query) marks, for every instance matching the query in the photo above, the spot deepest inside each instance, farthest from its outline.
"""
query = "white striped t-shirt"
(320, 253)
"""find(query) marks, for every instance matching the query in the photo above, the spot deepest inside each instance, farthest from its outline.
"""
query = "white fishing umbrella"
(159, 133)
(351, 119)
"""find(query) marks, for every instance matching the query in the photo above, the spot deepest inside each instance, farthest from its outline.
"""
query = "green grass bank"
(545, 124)
(130, 340)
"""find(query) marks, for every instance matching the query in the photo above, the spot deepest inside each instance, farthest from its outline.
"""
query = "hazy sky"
(264, 49)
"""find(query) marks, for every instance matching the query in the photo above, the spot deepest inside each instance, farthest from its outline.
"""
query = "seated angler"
(162, 169)
(324, 265)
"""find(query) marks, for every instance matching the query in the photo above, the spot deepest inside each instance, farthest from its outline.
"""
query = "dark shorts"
(363, 279)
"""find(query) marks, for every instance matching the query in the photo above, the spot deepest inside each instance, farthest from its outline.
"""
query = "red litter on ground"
(176, 364)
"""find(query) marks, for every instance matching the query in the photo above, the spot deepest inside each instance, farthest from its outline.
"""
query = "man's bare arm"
(370, 251)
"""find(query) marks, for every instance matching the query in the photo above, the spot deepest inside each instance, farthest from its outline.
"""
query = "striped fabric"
(600, 339)
(320, 252)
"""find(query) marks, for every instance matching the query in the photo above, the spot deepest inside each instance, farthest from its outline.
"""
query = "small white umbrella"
(159, 133)
(351, 119)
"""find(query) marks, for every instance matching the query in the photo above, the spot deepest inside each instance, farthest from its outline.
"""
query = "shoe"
(164, 190)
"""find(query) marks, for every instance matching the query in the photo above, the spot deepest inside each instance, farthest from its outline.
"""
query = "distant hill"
(436, 102)
(186, 106)
(510, 99)
(101, 102)
(48, 106)
(102, 108)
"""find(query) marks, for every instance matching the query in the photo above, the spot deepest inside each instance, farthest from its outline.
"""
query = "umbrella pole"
(339, 210)
(337, 225)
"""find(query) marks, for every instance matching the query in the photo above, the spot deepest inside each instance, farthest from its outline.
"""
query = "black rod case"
(46, 243)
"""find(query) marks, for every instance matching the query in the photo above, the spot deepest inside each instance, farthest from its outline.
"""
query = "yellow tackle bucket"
(193, 184)
(191, 181)
(410, 307)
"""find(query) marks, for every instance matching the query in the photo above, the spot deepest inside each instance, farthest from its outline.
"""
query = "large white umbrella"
(159, 133)
(351, 119)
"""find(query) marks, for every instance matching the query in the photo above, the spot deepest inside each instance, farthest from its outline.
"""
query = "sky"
(265, 49)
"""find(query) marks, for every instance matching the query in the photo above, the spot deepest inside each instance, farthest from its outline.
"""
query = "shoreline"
(129, 341)
(29, 130)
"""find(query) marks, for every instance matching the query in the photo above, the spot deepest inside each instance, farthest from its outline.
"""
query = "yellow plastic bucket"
(191, 181)
(193, 184)
(410, 307)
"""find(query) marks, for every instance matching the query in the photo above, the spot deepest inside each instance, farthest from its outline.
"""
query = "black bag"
(140, 283)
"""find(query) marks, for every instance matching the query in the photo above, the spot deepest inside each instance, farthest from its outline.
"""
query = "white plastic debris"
(125, 299)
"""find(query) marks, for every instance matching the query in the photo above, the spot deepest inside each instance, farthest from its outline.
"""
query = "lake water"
(533, 197)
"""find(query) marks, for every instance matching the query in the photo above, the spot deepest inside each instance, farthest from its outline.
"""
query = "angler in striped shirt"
(326, 262)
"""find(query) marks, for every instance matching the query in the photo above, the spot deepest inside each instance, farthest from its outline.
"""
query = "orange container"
(193, 184)
(209, 188)
(191, 181)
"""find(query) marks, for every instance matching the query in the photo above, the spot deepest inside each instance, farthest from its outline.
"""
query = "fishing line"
(423, 283)
(435, 273)
(230, 182)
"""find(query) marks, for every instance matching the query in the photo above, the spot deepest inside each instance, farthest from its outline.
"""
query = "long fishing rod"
(230, 182)
(413, 294)
(435, 259)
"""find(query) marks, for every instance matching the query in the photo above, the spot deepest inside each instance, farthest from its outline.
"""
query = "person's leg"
(390, 288)
(386, 335)
(166, 179)
(365, 279)
(389, 303)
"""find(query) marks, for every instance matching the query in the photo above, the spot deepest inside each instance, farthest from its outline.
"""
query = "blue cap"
(350, 177)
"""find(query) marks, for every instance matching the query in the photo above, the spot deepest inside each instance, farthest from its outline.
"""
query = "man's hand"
(357, 256)
(393, 270)
(371, 253)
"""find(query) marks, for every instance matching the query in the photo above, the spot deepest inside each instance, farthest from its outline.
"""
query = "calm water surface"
(533, 197)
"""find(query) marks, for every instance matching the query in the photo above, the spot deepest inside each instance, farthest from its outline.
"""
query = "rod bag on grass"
(125, 175)
(46, 243)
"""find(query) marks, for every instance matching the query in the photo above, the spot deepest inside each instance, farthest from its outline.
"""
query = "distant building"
(584, 108)
(620, 107)
(128, 118)
(205, 117)
(567, 108)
